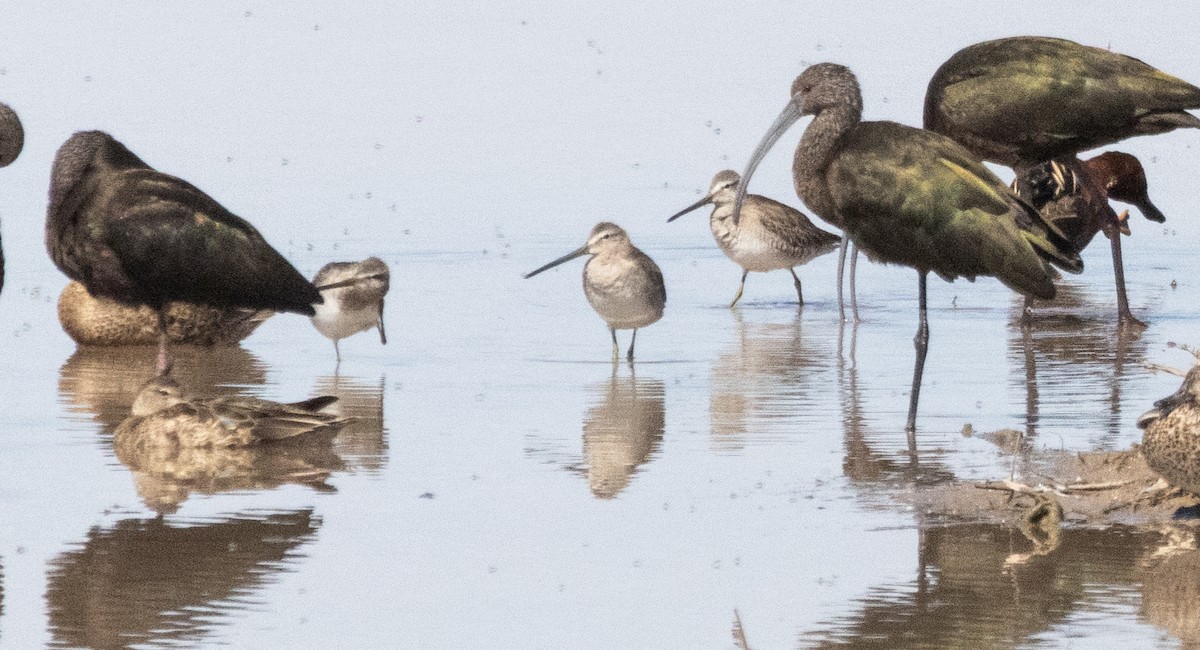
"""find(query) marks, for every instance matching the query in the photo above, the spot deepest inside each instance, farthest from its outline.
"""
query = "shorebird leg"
(1027, 313)
(841, 269)
(921, 343)
(616, 348)
(629, 356)
(163, 364)
(741, 287)
(382, 334)
(853, 284)
(337, 351)
(799, 291)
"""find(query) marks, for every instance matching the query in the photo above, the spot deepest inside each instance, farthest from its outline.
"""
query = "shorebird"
(12, 140)
(141, 237)
(1057, 191)
(910, 196)
(621, 282)
(767, 236)
(353, 293)
(1171, 442)
(163, 416)
(89, 320)
(1027, 100)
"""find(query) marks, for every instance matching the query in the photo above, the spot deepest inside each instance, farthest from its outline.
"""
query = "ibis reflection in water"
(1027, 100)
(768, 236)
(910, 196)
(622, 283)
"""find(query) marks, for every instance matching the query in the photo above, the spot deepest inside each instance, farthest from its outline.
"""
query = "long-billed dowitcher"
(621, 282)
(1058, 192)
(1171, 442)
(353, 294)
(89, 320)
(768, 235)
(910, 196)
(12, 140)
(1026, 100)
(138, 236)
(162, 415)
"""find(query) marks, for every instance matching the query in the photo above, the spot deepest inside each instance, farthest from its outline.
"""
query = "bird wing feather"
(176, 241)
(914, 197)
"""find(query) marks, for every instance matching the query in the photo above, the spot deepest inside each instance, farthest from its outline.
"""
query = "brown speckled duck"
(1171, 442)
(162, 416)
(90, 320)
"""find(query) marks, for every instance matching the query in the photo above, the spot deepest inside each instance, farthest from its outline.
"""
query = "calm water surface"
(503, 484)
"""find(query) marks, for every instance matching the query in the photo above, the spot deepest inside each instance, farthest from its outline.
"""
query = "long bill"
(580, 252)
(698, 204)
(789, 116)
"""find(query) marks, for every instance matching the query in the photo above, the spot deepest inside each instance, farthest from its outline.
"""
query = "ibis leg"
(921, 343)
(841, 270)
(799, 291)
(853, 282)
(741, 287)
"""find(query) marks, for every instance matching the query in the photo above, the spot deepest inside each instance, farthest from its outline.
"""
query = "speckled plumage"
(622, 284)
(1024, 100)
(768, 236)
(163, 416)
(1171, 441)
(93, 321)
(354, 293)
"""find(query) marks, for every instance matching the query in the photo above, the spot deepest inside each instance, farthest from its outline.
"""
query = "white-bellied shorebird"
(141, 237)
(353, 293)
(768, 235)
(621, 282)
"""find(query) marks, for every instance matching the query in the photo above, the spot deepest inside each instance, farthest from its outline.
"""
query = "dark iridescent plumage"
(1025, 100)
(910, 196)
(12, 140)
(136, 235)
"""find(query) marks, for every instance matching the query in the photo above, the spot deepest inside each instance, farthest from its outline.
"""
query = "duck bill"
(565, 258)
(698, 204)
(1149, 210)
(789, 116)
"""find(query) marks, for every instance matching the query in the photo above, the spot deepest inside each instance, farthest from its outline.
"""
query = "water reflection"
(866, 464)
(145, 581)
(1074, 351)
(964, 593)
(102, 381)
(621, 431)
(362, 443)
(1171, 596)
(763, 378)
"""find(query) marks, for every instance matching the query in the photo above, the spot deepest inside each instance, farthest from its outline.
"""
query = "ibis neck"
(817, 148)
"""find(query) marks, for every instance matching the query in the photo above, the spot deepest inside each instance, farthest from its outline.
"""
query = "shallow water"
(503, 484)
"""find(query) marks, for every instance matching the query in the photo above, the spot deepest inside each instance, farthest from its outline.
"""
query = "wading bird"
(353, 293)
(912, 197)
(12, 140)
(1027, 100)
(621, 283)
(767, 236)
(142, 237)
